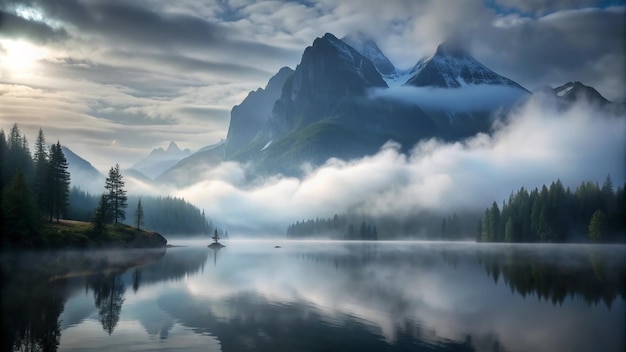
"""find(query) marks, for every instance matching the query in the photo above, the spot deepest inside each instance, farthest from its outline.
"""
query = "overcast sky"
(114, 79)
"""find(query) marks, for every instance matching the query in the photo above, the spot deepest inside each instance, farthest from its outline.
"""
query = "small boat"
(216, 244)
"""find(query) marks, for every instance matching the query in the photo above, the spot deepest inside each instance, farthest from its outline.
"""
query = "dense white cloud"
(535, 145)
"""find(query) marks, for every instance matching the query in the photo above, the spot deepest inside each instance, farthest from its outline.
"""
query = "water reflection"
(318, 296)
(596, 275)
(108, 294)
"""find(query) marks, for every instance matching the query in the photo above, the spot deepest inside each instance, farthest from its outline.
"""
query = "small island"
(216, 244)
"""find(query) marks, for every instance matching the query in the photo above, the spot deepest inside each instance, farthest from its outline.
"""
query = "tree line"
(337, 227)
(164, 214)
(557, 214)
(33, 187)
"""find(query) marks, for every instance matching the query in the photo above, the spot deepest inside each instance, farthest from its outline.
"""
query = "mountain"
(452, 67)
(194, 168)
(325, 111)
(82, 174)
(247, 118)
(575, 91)
(337, 103)
(367, 47)
(159, 160)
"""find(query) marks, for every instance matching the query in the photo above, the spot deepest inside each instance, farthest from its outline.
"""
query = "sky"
(114, 79)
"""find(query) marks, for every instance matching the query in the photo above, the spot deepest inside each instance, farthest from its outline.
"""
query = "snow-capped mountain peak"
(573, 91)
(453, 67)
(367, 47)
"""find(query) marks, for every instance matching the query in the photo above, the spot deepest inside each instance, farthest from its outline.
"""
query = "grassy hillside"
(78, 234)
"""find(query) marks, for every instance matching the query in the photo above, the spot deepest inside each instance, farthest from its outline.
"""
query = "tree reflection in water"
(108, 294)
(591, 275)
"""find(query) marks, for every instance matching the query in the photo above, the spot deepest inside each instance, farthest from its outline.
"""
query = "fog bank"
(534, 145)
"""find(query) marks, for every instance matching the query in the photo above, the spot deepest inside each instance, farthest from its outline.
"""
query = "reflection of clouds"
(447, 302)
(129, 333)
(431, 293)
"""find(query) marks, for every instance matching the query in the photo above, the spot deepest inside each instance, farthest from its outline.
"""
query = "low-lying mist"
(465, 99)
(536, 144)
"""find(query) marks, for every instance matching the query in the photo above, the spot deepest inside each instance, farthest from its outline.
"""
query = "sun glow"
(20, 56)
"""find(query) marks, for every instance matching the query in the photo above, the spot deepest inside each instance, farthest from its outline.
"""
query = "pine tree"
(139, 215)
(509, 236)
(58, 183)
(597, 226)
(21, 218)
(41, 161)
(98, 227)
(16, 156)
(116, 196)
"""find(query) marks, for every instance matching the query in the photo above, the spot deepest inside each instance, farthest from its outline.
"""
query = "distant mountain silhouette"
(159, 160)
(83, 174)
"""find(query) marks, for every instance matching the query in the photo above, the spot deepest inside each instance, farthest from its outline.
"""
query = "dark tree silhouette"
(58, 183)
(139, 215)
(20, 213)
(98, 227)
(108, 291)
(556, 214)
(116, 194)
(41, 163)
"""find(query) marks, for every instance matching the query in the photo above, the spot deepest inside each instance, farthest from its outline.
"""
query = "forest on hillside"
(35, 191)
(166, 215)
(423, 226)
(556, 214)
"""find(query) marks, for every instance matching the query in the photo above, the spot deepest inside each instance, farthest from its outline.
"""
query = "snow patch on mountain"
(564, 91)
(367, 47)
(267, 145)
(399, 77)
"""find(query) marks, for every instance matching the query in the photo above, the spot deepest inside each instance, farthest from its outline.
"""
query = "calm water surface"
(318, 296)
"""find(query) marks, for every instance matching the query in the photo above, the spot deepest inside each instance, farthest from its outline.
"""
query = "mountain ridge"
(82, 173)
(327, 108)
(159, 160)
(453, 67)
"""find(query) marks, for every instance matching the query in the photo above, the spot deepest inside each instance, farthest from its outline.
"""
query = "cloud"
(542, 7)
(16, 27)
(535, 145)
(465, 99)
(586, 45)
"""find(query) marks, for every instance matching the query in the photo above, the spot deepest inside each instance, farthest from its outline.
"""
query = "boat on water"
(216, 244)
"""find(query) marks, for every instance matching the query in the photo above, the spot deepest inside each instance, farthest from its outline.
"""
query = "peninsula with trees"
(35, 203)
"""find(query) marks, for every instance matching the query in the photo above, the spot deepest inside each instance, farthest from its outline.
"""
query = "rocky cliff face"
(330, 105)
(330, 73)
(247, 118)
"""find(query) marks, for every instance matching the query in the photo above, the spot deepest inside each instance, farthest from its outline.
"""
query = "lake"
(318, 296)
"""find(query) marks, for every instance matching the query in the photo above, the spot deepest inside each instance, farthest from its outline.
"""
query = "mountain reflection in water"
(318, 296)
